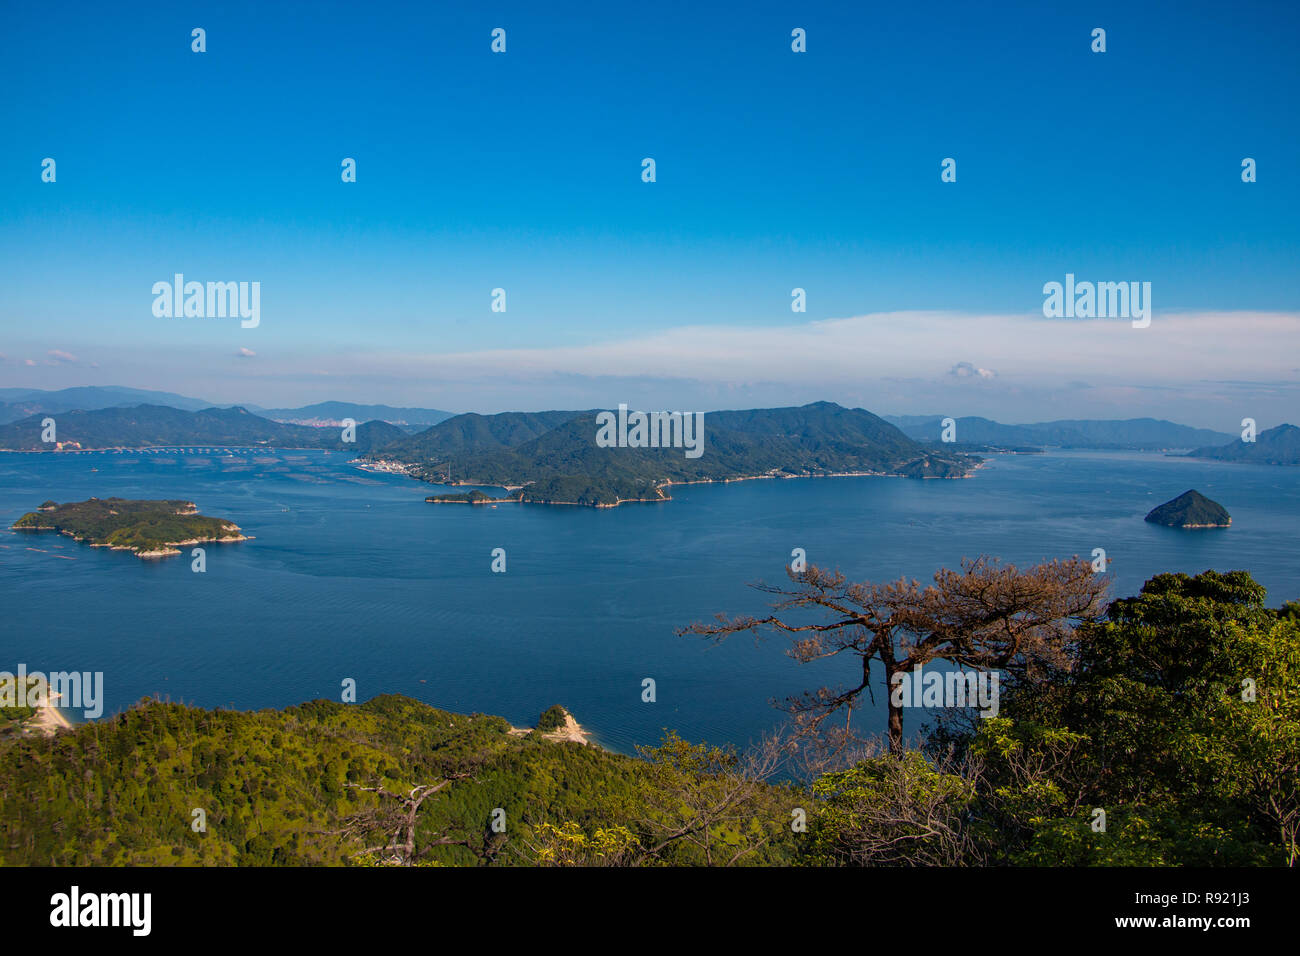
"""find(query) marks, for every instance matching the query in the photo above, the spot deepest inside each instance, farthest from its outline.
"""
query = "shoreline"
(169, 548)
(669, 484)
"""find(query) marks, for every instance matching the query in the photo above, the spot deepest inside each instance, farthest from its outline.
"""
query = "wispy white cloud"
(1203, 368)
(925, 345)
(1027, 367)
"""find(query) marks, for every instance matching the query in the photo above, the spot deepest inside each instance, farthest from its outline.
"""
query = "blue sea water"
(352, 575)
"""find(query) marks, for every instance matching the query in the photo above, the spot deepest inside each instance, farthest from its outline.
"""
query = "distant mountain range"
(333, 413)
(146, 426)
(19, 403)
(1274, 446)
(1137, 434)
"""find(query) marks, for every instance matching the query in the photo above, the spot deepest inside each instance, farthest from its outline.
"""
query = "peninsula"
(558, 726)
(149, 529)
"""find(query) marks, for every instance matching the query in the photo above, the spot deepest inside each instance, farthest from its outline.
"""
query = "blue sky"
(775, 170)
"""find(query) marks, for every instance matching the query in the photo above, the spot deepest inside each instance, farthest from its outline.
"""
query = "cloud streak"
(1204, 368)
(929, 345)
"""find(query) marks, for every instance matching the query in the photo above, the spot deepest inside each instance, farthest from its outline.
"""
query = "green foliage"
(1181, 719)
(13, 718)
(704, 805)
(890, 811)
(568, 845)
(284, 787)
(552, 718)
(1143, 836)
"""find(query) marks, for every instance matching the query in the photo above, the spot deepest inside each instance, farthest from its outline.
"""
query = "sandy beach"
(47, 721)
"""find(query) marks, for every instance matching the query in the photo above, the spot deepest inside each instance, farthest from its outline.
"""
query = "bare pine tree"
(986, 616)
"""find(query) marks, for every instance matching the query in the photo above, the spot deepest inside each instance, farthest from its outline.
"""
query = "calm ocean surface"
(353, 575)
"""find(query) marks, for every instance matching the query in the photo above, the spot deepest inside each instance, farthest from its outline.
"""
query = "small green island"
(475, 497)
(1191, 509)
(150, 529)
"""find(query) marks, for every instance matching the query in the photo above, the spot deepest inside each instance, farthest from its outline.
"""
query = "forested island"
(1177, 711)
(554, 458)
(150, 529)
(1191, 509)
